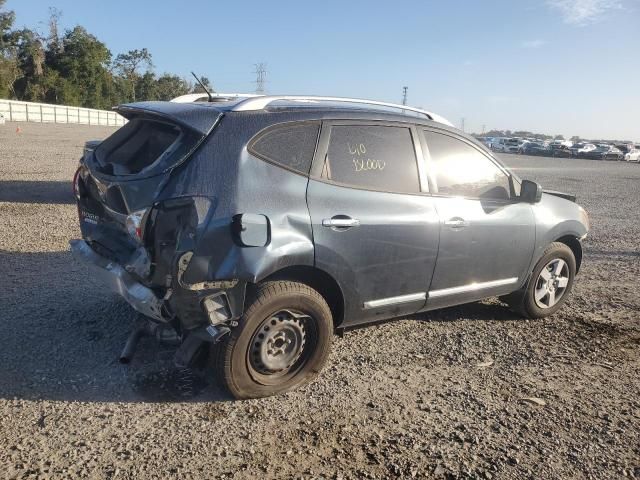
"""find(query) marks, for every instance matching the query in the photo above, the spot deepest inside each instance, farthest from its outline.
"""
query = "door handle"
(456, 222)
(340, 222)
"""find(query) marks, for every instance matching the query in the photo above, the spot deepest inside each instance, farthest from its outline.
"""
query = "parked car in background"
(624, 147)
(575, 147)
(505, 145)
(533, 148)
(488, 141)
(633, 155)
(586, 147)
(560, 150)
(613, 153)
(603, 152)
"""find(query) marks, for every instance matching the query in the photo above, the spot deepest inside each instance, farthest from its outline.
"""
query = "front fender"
(557, 218)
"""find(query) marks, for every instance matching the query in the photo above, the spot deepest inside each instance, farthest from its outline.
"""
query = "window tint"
(462, 170)
(290, 145)
(375, 157)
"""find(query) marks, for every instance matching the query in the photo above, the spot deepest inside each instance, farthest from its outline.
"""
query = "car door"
(487, 237)
(375, 228)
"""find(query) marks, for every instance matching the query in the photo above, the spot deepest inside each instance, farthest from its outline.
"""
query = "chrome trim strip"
(471, 287)
(382, 302)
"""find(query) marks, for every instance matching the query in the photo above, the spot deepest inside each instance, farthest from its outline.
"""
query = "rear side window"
(462, 170)
(372, 157)
(137, 147)
(289, 145)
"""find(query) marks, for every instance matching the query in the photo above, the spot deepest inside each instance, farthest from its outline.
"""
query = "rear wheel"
(549, 285)
(282, 341)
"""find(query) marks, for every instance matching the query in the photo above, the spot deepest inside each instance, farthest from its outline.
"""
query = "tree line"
(75, 68)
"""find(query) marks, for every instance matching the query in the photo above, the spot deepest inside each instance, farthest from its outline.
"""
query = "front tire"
(281, 342)
(549, 285)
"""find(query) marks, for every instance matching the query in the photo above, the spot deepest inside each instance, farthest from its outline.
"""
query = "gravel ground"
(438, 395)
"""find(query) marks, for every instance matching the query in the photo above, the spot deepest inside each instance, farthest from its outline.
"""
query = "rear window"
(289, 145)
(138, 147)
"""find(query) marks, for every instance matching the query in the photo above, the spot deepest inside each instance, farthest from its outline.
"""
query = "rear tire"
(549, 285)
(281, 342)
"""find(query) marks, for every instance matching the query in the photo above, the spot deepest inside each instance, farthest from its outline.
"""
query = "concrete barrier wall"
(16, 111)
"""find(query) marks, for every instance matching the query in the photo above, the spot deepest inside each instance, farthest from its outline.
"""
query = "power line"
(261, 77)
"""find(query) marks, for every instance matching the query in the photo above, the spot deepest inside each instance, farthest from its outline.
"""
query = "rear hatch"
(120, 178)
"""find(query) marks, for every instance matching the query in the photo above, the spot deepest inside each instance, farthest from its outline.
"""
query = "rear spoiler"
(200, 117)
(566, 196)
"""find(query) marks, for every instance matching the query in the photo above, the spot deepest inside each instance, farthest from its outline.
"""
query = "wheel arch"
(576, 247)
(320, 281)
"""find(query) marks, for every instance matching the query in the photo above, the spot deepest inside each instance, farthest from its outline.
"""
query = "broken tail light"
(135, 224)
(76, 183)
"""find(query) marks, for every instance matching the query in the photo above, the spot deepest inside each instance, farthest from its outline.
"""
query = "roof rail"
(194, 97)
(261, 102)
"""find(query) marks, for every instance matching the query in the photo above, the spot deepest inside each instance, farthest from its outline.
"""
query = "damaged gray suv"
(254, 229)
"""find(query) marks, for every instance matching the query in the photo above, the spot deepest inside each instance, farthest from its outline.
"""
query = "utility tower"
(261, 77)
(462, 124)
(404, 95)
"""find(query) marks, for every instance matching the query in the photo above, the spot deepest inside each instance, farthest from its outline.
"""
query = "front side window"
(290, 145)
(372, 157)
(462, 170)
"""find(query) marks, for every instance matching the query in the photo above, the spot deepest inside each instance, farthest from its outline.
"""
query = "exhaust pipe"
(164, 334)
(132, 342)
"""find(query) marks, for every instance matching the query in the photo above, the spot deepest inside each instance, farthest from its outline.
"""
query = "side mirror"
(530, 192)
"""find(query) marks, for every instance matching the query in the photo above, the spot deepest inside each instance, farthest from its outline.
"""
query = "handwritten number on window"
(364, 164)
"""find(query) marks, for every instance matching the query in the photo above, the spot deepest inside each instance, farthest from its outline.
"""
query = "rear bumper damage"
(206, 311)
(196, 305)
(116, 278)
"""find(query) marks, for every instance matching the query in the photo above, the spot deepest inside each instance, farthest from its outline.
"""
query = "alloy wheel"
(552, 283)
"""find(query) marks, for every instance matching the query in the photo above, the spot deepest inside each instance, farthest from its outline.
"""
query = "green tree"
(170, 86)
(30, 56)
(129, 64)
(197, 88)
(82, 64)
(146, 87)
(9, 69)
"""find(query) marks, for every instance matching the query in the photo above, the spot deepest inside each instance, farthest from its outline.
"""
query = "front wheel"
(281, 342)
(549, 285)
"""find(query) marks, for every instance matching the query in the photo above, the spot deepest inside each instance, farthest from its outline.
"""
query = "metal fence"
(16, 111)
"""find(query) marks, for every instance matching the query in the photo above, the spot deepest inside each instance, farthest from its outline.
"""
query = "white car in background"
(633, 155)
(586, 148)
(505, 144)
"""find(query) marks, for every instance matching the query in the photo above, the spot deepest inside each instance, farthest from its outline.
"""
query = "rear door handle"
(340, 222)
(456, 222)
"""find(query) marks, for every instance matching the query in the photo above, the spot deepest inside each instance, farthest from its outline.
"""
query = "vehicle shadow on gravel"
(24, 191)
(494, 311)
(63, 333)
